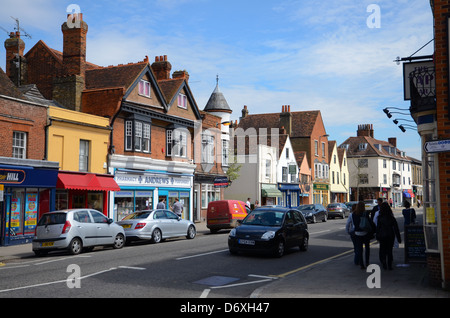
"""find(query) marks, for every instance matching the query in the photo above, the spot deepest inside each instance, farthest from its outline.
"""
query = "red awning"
(86, 181)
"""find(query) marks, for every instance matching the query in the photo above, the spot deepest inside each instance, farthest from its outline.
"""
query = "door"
(178, 227)
(163, 223)
(104, 233)
(293, 228)
(85, 227)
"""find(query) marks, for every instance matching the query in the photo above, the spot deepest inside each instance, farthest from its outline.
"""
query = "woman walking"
(361, 236)
(387, 231)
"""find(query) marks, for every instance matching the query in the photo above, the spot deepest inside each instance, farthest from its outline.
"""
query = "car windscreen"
(306, 208)
(52, 219)
(266, 218)
(137, 215)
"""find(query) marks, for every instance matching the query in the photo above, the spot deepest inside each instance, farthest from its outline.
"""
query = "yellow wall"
(67, 128)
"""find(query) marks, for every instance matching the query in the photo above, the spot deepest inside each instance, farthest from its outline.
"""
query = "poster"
(15, 217)
(31, 212)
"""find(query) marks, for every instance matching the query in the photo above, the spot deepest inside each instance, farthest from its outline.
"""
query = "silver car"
(75, 230)
(156, 225)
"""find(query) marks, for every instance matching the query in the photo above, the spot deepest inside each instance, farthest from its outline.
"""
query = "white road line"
(131, 267)
(319, 232)
(205, 293)
(62, 259)
(198, 255)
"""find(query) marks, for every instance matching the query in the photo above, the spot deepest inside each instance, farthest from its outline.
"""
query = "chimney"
(16, 65)
(161, 67)
(365, 130)
(286, 119)
(181, 74)
(74, 44)
(393, 141)
(67, 89)
(244, 112)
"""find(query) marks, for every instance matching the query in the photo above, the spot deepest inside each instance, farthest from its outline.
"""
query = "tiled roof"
(7, 87)
(302, 122)
(170, 87)
(373, 148)
(122, 75)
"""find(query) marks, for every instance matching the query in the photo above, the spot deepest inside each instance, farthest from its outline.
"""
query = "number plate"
(47, 244)
(246, 242)
(126, 226)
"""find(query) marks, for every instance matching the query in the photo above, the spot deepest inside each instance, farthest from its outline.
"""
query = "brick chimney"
(244, 112)
(161, 67)
(67, 89)
(393, 141)
(15, 60)
(286, 118)
(181, 74)
(365, 130)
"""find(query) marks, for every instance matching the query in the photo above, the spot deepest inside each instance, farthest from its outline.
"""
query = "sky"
(333, 56)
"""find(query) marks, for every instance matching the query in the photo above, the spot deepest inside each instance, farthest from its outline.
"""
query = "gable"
(186, 106)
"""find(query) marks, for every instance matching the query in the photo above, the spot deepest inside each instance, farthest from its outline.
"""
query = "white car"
(75, 230)
(156, 225)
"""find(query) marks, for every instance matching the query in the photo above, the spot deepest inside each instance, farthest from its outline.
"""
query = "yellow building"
(79, 142)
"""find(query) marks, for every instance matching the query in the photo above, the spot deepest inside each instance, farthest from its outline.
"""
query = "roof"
(122, 75)
(302, 122)
(7, 87)
(373, 148)
(217, 102)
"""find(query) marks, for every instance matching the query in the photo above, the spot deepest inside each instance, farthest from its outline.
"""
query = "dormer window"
(182, 101)
(144, 88)
(362, 146)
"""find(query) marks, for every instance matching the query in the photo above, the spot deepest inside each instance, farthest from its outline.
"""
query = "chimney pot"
(289, 108)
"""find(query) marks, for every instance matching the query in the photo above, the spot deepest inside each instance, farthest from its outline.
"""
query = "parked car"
(75, 230)
(156, 225)
(224, 214)
(370, 204)
(350, 204)
(270, 230)
(337, 209)
(314, 212)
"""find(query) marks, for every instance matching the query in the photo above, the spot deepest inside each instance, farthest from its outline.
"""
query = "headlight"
(233, 233)
(268, 235)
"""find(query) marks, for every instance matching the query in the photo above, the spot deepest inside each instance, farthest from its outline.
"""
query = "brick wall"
(441, 56)
(24, 117)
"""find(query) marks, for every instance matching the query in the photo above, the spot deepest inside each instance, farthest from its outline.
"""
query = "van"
(224, 214)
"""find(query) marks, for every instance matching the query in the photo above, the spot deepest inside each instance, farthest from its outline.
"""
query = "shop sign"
(221, 182)
(437, 146)
(12, 176)
(320, 186)
(151, 180)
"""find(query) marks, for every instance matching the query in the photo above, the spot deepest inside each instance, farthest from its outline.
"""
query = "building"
(27, 180)
(339, 174)
(306, 133)
(377, 168)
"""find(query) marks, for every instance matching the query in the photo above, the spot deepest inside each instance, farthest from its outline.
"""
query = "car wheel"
(279, 249)
(314, 220)
(324, 218)
(119, 241)
(191, 232)
(304, 244)
(156, 236)
(75, 246)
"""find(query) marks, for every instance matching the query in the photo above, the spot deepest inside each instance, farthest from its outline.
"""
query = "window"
(363, 178)
(363, 163)
(19, 145)
(209, 194)
(144, 88)
(182, 101)
(84, 155)
(268, 167)
(284, 174)
(176, 143)
(287, 153)
(207, 148)
(140, 132)
(316, 147)
(384, 163)
(323, 149)
(225, 145)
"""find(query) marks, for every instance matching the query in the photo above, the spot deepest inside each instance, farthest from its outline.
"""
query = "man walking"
(177, 207)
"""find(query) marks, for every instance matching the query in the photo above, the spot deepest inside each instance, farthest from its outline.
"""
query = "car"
(337, 209)
(76, 230)
(156, 225)
(270, 230)
(314, 212)
(370, 204)
(350, 204)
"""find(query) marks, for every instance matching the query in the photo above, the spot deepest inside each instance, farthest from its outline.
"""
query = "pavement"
(334, 277)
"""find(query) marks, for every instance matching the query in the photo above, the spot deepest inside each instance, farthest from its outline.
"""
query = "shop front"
(291, 193)
(84, 190)
(270, 195)
(141, 190)
(27, 189)
(321, 193)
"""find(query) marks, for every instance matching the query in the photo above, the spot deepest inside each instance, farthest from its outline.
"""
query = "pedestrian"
(387, 231)
(409, 214)
(350, 229)
(256, 204)
(248, 204)
(177, 207)
(376, 208)
(390, 202)
(362, 237)
(161, 204)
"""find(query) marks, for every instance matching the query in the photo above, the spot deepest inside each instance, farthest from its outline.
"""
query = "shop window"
(209, 194)
(62, 200)
(95, 201)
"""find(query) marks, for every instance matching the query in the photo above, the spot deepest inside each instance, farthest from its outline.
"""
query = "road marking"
(131, 267)
(205, 293)
(198, 255)
(320, 232)
(62, 259)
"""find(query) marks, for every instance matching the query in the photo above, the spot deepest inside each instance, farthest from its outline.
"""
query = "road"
(176, 268)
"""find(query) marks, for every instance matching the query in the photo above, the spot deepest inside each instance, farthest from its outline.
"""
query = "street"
(176, 268)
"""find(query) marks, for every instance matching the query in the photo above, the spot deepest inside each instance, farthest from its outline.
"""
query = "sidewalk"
(335, 277)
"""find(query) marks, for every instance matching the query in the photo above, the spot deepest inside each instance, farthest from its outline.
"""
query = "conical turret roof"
(217, 102)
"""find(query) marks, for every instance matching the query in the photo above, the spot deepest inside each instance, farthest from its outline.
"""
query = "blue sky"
(312, 55)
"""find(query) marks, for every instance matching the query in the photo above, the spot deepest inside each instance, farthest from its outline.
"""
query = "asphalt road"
(176, 268)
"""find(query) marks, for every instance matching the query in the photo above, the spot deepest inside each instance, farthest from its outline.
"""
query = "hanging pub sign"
(423, 78)
(221, 182)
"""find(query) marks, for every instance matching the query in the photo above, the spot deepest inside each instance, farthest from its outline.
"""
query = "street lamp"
(396, 120)
(402, 127)
(389, 114)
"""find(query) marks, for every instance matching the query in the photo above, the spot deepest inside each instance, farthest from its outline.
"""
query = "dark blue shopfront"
(291, 194)
(26, 191)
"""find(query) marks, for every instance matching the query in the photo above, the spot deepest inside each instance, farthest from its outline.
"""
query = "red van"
(224, 214)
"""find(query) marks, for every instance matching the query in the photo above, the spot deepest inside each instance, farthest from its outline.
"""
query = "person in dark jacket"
(387, 231)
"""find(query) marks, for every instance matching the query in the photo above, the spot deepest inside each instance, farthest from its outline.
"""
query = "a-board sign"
(414, 244)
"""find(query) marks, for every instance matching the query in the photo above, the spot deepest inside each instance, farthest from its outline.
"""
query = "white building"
(339, 173)
(378, 168)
